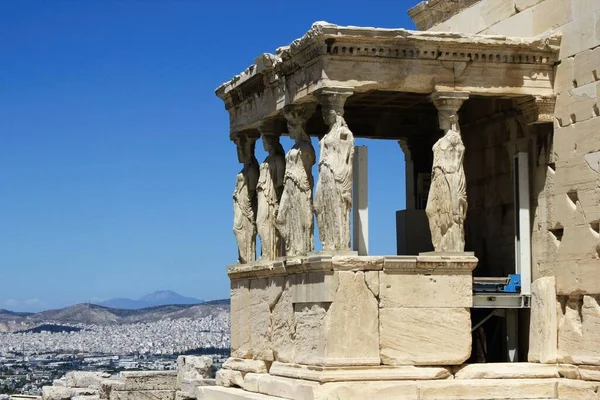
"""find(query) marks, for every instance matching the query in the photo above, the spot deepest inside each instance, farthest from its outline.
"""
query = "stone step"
(223, 393)
(257, 386)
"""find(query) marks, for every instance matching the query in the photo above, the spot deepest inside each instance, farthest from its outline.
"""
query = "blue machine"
(512, 284)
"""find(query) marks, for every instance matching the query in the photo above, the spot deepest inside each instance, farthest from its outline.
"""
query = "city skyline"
(116, 162)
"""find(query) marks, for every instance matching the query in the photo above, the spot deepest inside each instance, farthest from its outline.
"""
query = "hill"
(92, 314)
(160, 298)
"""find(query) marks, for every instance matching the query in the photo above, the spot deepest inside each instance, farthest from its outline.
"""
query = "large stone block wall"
(566, 224)
(352, 311)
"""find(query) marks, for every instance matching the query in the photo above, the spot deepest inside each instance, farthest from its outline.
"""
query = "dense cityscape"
(32, 359)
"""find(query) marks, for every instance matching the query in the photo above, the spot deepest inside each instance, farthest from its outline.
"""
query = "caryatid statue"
(295, 219)
(268, 193)
(447, 201)
(244, 199)
(333, 197)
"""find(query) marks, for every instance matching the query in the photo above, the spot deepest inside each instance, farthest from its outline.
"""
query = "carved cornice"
(427, 14)
(382, 45)
(537, 109)
(328, 39)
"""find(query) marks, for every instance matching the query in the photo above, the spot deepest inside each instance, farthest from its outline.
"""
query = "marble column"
(447, 201)
(268, 193)
(409, 174)
(244, 199)
(333, 195)
(295, 220)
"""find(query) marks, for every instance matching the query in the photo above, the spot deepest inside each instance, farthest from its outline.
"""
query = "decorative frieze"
(276, 80)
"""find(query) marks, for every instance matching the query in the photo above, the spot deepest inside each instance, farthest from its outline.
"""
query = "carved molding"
(537, 109)
(382, 45)
(315, 60)
(427, 14)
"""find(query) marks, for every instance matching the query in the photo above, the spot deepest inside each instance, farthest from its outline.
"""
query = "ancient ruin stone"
(543, 325)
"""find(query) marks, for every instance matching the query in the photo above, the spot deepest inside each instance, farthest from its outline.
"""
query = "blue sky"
(116, 171)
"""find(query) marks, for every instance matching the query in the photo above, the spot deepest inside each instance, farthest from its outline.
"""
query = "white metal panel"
(491, 300)
(522, 221)
(360, 200)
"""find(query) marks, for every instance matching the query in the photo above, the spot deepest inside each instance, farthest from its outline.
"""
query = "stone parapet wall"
(353, 310)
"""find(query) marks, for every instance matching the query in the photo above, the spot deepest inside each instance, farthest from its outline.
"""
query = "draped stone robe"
(295, 220)
(447, 200)
(333, 198)
(268, 192)
(244, 212)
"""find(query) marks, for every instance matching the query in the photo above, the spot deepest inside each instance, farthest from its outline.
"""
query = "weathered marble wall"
(352, 311)
(566, 223)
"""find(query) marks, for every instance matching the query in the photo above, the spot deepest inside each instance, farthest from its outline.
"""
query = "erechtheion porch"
(303, 318)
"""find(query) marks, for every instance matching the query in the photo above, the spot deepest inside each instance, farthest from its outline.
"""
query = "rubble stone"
(192, 370)
(228, 377)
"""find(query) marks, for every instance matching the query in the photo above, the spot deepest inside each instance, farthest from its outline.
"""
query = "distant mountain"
(160, 298)
(99, 315)
(21, 314)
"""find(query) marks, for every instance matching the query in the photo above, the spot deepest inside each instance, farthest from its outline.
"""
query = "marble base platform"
(475, 382)
(349, 310)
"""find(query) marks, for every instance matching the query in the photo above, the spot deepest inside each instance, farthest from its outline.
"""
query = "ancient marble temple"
(473, 113)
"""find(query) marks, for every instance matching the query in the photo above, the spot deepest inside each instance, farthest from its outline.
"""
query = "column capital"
(248, 135)
(299, 113)
(449, 101)
(537, 109)
(333, 97)
(448, 104)
(405, 149)
(268, 128)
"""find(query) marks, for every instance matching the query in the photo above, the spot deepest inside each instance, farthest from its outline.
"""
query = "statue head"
(332, 102)
(294, 128)
(296, 118)
(330, 115)
(447, 119)
(245, 148)
(271, 144)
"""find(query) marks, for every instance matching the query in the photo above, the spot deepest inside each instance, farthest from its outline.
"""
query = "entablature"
(396, 60)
